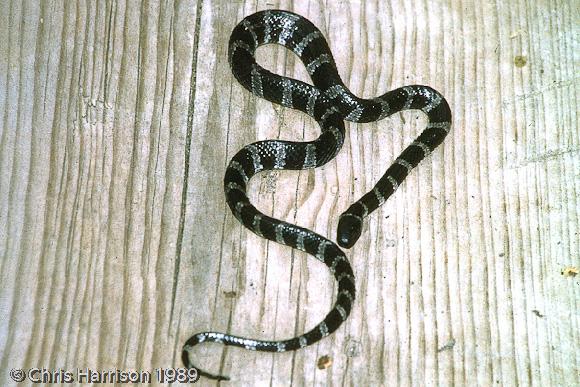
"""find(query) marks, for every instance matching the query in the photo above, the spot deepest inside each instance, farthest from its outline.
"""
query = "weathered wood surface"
(116, 244)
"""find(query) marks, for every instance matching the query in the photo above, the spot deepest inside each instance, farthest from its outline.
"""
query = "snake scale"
(329, 102)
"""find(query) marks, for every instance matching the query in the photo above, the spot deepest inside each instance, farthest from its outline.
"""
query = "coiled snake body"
(329, 102)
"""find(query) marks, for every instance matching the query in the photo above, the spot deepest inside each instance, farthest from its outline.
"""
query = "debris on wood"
(570, 271)
(324, 362)
(537, 313)
(450, 344)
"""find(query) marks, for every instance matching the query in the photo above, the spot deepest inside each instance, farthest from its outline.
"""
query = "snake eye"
(349, 229)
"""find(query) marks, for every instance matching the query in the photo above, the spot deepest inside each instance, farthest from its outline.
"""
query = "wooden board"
(116, 244)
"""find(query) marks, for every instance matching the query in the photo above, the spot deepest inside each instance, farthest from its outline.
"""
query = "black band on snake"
(329, 102)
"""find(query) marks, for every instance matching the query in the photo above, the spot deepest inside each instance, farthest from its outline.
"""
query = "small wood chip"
(324, 362)
(570, 271)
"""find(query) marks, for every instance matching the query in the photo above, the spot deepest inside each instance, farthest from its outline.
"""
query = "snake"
(329, 102)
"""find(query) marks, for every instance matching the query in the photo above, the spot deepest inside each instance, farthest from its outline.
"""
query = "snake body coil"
(329, 102)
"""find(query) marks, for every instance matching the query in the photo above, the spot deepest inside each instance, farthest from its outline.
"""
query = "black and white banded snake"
(329, 102)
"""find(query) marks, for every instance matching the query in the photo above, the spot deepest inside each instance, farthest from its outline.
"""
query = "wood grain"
(117, 120)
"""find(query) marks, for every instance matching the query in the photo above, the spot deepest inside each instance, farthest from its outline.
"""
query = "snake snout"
(349, 230)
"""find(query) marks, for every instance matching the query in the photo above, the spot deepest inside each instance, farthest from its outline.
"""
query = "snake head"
(349, 230)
